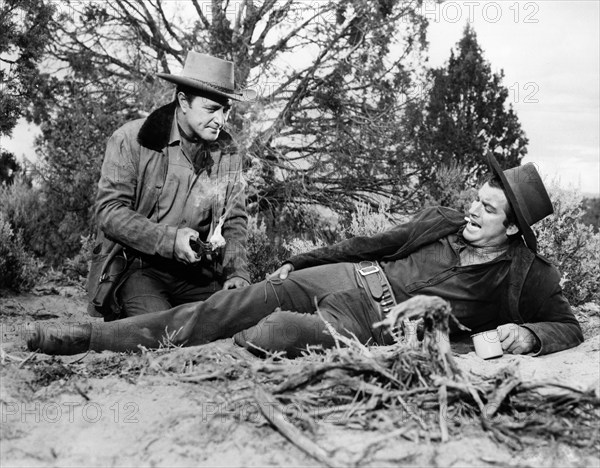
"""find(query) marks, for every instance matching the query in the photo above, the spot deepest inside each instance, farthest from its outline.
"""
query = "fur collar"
(156, 129)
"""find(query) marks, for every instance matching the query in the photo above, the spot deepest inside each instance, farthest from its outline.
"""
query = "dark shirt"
(190, 188)
(473, 290)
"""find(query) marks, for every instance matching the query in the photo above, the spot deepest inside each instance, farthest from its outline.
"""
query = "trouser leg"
(142, 293)
(226, 312)
(150, 289)
(290, 332)
(350, 313)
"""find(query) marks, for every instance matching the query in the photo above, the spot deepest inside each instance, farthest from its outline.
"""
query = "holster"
(377, 284)
(107, 274)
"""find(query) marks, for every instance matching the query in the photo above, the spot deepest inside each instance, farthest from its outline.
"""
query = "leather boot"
(62, 339)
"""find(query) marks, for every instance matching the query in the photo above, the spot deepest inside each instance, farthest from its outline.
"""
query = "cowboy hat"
(210, 74)
(526, 194)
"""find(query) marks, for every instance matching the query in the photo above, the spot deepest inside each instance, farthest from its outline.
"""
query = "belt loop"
(368, 269)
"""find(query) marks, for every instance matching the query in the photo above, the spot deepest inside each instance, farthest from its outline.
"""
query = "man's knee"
(146, 304)
(285, 331)
(266, 335)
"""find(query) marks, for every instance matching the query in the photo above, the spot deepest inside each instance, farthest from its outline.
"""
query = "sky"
(549, 52)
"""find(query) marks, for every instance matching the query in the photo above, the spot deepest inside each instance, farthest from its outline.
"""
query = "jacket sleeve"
(235, 232)
(355, 249)
(427, 226)
(546, 311)
(116, 202)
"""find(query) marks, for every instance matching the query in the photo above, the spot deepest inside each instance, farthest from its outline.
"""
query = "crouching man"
(484, 264)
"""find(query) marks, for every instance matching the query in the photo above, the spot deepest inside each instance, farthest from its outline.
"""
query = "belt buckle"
(369, 269)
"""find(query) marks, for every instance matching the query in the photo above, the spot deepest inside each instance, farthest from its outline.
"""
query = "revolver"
(205, 249)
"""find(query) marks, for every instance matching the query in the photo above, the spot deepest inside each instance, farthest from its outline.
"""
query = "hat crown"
(530, 192)
(210, 70)
(526, 194)
(209, 74)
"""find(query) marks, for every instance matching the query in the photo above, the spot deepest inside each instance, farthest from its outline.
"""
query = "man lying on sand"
(484, 264)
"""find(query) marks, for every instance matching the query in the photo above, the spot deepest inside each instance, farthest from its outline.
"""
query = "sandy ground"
(112, 409)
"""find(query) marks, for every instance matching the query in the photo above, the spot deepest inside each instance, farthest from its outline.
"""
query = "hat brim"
(522, 223)
(243, 95)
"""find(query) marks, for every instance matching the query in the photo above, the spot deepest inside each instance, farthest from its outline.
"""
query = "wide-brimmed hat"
(210, 74)
(526, 194)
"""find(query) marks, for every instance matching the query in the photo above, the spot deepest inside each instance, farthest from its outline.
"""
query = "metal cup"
(487, 344)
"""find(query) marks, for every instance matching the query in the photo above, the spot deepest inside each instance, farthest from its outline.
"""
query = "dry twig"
(270, 410)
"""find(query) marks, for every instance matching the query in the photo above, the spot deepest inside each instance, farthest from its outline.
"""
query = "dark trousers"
(337, 290)
(161, 285)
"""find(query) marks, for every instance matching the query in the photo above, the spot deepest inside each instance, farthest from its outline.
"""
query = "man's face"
(203, 117)
(485, 227)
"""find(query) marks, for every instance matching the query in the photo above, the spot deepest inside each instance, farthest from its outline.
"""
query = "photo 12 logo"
(527, 93)
(67, 411)
(473, 12)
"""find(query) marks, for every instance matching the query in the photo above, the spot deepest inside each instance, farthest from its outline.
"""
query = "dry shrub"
(264, 253)
(22, 206)
(571, 245)
(450, 187)
(365, 221)
(18, 269)
(77, 268)
(300, 246)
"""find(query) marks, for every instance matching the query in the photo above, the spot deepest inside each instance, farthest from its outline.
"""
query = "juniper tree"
(464, 114)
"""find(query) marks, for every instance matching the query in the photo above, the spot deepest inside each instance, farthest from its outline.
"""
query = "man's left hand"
(235, 283)
(516, 339)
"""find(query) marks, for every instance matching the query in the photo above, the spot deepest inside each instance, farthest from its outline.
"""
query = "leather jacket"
(133, 175)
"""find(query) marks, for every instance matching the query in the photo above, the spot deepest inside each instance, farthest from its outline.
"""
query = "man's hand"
(182, 251)
(282, 273)
(235, 283)
(516, 339)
